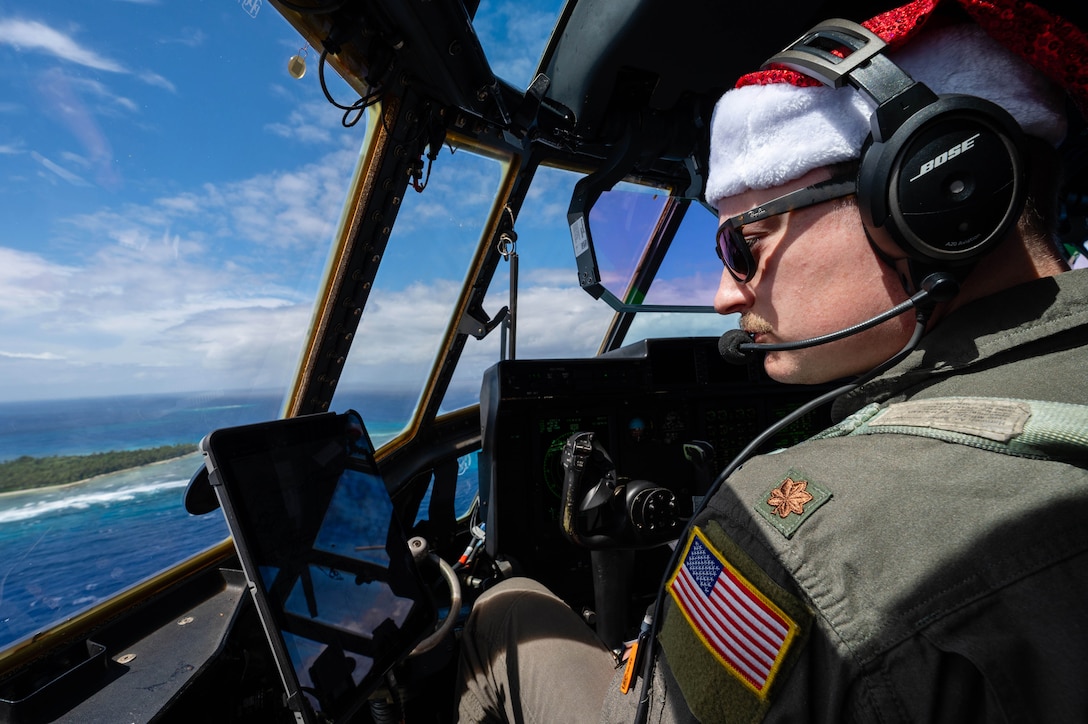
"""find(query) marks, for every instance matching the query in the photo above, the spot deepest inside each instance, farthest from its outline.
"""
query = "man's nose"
(732, 296)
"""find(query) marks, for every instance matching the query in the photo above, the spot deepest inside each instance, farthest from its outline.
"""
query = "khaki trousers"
(527, 657)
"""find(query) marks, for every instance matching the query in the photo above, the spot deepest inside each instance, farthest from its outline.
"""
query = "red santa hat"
(776, 124)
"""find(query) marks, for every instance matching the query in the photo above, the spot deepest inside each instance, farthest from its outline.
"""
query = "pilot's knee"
(510, 599)
(521, 610)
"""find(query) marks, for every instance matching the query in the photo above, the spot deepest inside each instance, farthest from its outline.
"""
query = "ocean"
(64, 549)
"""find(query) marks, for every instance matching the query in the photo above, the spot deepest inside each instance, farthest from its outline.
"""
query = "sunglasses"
(733, 248)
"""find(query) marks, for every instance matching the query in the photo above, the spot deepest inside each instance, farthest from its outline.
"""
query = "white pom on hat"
(765, 135)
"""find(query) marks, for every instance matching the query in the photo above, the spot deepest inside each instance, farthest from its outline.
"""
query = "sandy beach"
(171, 466)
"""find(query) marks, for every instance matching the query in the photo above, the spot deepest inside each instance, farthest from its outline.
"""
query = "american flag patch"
(740, 626)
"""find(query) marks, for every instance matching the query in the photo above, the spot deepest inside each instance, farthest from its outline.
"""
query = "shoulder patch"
(729, 631)
(740, 626)
(792, 501)
(991, 418)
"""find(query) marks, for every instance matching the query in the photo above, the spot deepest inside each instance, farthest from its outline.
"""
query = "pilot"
(926, 559)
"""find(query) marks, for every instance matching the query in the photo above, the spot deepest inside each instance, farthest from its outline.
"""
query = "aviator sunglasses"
(733, 248)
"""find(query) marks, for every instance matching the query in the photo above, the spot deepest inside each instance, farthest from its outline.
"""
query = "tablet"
(327, 562)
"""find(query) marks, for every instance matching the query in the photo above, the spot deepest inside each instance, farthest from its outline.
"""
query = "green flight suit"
(916, 580)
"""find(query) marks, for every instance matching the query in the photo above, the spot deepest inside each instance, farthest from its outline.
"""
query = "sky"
(168, 191)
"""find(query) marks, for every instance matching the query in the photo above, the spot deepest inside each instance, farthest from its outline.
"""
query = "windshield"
(169, 191)
(172, 178)
(687, 277)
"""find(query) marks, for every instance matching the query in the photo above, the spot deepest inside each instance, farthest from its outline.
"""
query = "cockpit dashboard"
(670, 412)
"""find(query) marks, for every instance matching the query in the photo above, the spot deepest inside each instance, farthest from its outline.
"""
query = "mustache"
(754, 324)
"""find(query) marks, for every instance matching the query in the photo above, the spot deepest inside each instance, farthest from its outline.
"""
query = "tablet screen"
(327, 561)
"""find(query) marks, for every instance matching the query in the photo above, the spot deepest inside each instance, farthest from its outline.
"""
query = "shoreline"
(77, 483)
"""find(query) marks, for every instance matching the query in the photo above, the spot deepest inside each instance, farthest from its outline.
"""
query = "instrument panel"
(653, 406)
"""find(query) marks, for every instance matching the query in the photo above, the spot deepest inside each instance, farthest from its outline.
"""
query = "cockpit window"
(555, 317)
(689, 272)
(513, 35)
(625, 221)
(689, 276)
(418, 282)
(169, 193)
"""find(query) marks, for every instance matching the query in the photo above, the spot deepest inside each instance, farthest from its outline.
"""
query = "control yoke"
(599, 510)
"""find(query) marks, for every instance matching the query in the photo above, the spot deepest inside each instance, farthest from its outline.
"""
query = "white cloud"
(32, 288)
(556, 317)
(259, 336)
(63, 97)
(400, 331)
(159, 314)
(281, 210)
(35, 36)
(212, 287)
(696, 290)
(43, 356)
(472, 185)
(189, 36)
(74, 159)
(39, 37)
(299, 128)
(156, 80)
(59, 171)
(403, 319)
(107, 101)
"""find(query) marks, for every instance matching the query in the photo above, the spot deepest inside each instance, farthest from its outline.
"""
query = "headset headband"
(941, 179)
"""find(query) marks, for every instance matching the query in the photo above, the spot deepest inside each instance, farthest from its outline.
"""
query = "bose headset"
(940, 178)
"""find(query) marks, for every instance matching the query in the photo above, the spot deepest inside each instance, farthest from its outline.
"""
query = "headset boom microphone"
(735, 345)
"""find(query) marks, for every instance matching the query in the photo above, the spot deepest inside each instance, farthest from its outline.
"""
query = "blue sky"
(168, 192)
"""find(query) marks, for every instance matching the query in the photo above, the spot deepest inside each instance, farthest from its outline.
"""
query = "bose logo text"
(956, 150)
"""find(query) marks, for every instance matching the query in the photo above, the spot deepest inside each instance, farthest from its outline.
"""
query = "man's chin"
(781, 370)
(790, 368)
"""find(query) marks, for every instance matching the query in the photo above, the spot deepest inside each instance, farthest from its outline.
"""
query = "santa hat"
(776, 125)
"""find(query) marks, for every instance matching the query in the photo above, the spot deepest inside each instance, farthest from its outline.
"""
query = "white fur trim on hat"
(765, 135)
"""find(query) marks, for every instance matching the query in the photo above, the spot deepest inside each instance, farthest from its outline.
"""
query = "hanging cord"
(358, 107)
(419, 181)
(921, 317)
(437, 134)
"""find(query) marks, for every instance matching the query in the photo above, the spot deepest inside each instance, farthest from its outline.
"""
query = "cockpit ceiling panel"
(649, 54)
(642, 54)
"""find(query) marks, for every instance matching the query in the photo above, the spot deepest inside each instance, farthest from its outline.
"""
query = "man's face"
(815, 274)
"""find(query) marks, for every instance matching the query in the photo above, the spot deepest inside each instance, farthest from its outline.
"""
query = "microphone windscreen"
(729, 346)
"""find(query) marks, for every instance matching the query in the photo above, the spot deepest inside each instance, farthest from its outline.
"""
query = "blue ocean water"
(64, 549)
(78, 427)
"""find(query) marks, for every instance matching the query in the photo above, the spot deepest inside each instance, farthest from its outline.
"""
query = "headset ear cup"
(947, 185)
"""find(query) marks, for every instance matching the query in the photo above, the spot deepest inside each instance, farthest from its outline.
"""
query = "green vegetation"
(27, 472)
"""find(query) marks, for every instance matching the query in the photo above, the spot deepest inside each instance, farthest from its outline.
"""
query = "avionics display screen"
(329, 567)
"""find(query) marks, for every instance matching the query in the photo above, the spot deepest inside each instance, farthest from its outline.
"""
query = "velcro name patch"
(993, 419)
